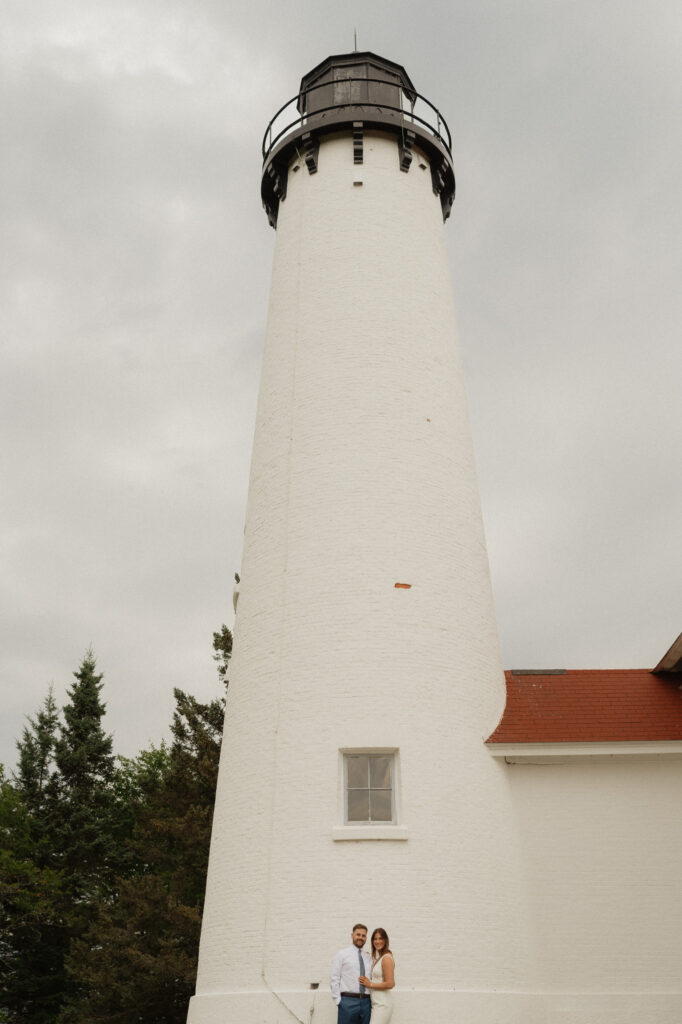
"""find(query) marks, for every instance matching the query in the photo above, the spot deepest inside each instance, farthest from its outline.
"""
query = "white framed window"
(368, 784)
(369, 804)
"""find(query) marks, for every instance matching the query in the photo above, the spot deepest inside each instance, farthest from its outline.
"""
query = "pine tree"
(103, 863)
(33, 907)
(68, 848)
(33, 902)
(222, 648)
(137, 963)
(82, 829)
(36, 755)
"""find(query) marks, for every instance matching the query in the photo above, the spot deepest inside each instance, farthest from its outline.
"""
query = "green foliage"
(137, 962)
(85, 828)
(66, 852)
(103, 862)
(222, 648)
(36, 750)
(85, 831)
(33, 906)
(138, 777)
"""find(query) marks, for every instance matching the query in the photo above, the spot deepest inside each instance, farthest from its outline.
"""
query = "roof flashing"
(538, 671)
(672, 659)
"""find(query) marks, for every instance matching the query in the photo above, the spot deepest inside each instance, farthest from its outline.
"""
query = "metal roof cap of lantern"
(354, 92)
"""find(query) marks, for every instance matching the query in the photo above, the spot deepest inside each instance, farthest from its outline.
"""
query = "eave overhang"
(570, 753)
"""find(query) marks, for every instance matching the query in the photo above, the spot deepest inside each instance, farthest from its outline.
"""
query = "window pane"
(380, 772)
(380, 802)
(358, 805)
(357, 772)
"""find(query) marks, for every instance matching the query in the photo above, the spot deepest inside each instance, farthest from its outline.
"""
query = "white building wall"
(602, 845)
(363, 476)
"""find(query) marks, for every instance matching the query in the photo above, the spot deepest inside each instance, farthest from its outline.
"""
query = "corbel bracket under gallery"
(279, 182)
(311, 148)
(439, 179)
(405, 145)
(357, 142)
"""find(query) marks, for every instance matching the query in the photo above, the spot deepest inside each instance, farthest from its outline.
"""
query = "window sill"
(356, 832)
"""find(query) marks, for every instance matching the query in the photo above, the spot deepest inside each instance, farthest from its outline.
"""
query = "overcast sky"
(136, 259)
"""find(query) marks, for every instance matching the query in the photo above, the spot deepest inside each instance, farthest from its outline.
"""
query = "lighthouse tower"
(354, 783)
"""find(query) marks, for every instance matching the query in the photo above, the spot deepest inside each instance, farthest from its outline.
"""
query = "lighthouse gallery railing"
(440, 131)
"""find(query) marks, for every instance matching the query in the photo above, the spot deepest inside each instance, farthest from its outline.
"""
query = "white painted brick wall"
(362, 476)
(603, 848)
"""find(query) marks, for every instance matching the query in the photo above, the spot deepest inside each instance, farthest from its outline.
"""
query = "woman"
(382, 979)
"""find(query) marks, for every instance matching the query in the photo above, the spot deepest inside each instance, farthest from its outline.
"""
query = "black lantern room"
(354, 92)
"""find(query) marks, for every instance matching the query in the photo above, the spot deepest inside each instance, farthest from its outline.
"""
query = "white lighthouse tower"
(354, 783)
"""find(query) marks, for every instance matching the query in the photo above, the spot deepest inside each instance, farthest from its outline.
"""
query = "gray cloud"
(134, 297)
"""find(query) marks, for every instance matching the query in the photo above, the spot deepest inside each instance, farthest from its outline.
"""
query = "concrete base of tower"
(444, 1007)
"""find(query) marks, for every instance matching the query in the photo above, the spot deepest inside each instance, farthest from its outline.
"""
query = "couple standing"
(361, 982)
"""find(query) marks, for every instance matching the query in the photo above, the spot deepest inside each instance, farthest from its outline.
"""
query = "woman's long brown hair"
(384, 935)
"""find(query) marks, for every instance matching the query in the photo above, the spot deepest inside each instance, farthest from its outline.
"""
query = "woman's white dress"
(382, 998)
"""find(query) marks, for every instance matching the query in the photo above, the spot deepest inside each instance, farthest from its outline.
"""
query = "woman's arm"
(388, 968)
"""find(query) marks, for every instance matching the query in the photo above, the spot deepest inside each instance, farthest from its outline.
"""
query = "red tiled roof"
(592, 706)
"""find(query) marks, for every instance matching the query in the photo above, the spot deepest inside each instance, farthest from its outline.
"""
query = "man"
(348, 965)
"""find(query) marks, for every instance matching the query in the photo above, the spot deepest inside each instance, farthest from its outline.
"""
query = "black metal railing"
(440, 131)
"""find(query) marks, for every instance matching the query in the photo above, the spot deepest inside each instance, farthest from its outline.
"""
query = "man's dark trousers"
(354, 1011)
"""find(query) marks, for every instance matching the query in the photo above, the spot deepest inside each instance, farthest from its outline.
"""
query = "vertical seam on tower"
(282, 630)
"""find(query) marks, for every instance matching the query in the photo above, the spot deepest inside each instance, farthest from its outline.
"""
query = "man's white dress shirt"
(346, 971)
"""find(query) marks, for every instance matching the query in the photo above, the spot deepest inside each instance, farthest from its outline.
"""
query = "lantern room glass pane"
(342, 84)
(347, 88)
